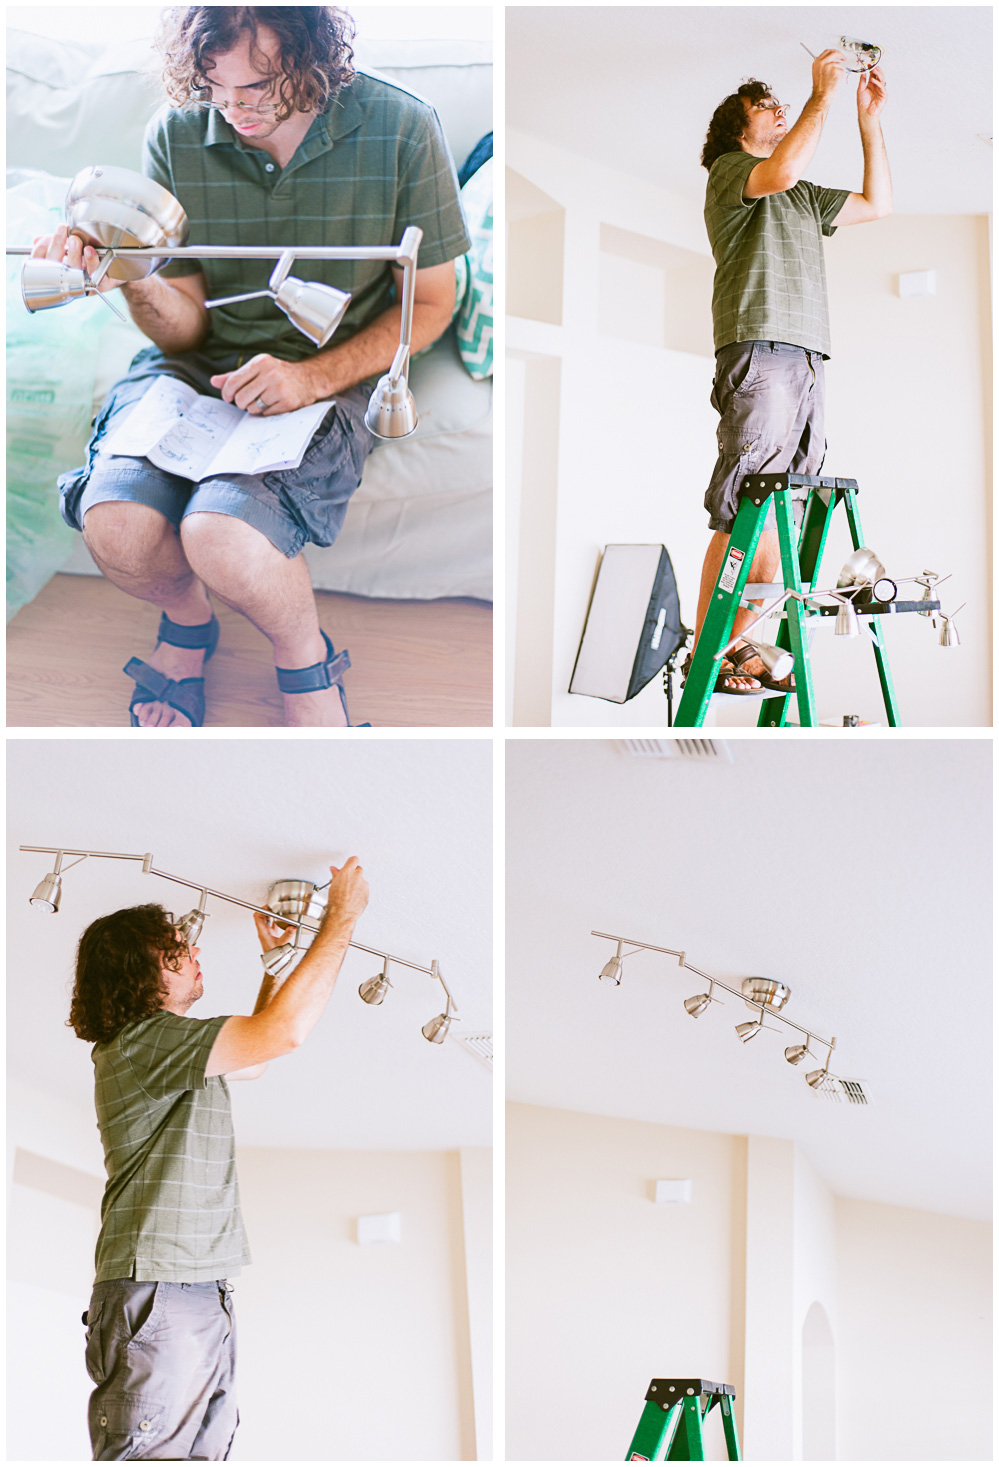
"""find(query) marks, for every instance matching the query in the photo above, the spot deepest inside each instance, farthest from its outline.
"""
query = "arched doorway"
(818, 1387)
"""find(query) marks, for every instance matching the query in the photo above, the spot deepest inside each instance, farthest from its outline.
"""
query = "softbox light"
(632, 626)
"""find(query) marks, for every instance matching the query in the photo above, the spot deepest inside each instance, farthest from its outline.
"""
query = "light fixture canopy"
(766, 991)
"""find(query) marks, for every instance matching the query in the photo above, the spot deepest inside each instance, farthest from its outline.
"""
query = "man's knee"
(125, 535)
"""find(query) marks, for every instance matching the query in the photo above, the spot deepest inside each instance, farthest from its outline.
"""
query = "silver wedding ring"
(261, 404)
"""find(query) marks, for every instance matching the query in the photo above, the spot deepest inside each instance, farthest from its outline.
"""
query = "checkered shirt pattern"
(770, 276)
(171, 1204)
(374, 164)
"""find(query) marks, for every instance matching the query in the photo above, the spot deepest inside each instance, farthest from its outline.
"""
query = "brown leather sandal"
(744, 653)
(727, 670)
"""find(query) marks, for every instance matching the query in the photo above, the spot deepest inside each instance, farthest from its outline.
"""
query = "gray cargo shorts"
(771, 398)
(163, 1359)
(290, 506)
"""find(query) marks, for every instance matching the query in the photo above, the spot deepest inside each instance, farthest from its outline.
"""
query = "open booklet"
(187, 433)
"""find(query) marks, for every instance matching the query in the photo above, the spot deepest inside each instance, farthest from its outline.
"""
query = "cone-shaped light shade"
(777, 660)
(316, 310)
(611, 972)
(436, 1029)
(948, 634)
(373, 990)
(280, 959)
(48, 893)
(695, 1006)
(749, 1030)
(795, 1053)
(391, 410)
(189, 926)
(847, 621)
(816, 1078)
(49, 283)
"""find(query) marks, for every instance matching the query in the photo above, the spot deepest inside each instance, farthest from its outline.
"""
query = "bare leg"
(140, 552)
(241, 566)
(765, 567)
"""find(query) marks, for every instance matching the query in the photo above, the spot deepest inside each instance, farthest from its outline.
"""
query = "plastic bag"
(50, 381)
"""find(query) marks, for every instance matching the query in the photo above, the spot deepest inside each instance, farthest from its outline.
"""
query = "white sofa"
(420, 525)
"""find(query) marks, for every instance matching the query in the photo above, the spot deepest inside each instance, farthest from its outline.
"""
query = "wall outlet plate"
(673, 1191)
(380, 1227)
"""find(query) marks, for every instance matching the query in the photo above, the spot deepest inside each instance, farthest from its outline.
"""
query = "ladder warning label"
(730, 570)
(637, 1457)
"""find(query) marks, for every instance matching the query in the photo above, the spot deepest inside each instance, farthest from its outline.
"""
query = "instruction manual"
(198, 437)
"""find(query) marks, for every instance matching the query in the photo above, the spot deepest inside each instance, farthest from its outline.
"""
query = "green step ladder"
(671, 1428)
(801, 557)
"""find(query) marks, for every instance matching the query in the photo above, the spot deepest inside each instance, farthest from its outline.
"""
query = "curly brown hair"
(118, 962)
(316, 52)
(729, 121)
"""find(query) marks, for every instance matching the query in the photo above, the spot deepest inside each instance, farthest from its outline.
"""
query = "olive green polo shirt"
(770, 275)
(372, 165)
(171, 1204)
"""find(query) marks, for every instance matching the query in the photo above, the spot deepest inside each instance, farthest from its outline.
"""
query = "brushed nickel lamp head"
(373, 990)
(314, 309)
(695, 1006)
(391, 411)
(749, 1030)
(435, 1029)
(189, 926)
(611, 970)
(795, 1053)
(48, 893)
(778, 661)
(847, 620)
(948, 632)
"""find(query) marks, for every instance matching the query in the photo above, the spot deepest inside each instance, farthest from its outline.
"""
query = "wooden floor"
(415, 664)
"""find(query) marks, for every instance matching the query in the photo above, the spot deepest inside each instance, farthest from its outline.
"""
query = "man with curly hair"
(765, 224)
(271, 138)
(161, 1331)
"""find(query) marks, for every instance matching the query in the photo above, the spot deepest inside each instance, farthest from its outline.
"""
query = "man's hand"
(871, 94)
(271, 931)
(69, 250)
(348, 892)
(827, 73)
(280, 386)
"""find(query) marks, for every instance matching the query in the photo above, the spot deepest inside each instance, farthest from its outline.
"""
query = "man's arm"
(792, 155)
(291, 1013)
(875, 201)
(284, 386)
(170, 312)
(271, 934)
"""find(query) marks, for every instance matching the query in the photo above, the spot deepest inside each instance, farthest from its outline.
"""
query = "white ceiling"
(238, 815)
(858, 873)
(633, 88)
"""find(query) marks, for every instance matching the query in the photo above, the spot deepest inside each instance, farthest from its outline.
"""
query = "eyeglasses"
(779, 109)
(240, 107)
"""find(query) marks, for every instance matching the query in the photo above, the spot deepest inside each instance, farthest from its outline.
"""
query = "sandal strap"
(205, 634)
(186, 695)
(741, 653)
(320, 675)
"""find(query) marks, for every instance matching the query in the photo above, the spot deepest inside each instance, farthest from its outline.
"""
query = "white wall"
(908, 418)
(346, 1352)
(915, 1336)
(605, 1288)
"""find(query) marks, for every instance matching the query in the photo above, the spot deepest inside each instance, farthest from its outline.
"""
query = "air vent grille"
(480, 1045)
(703, 750)
(849, 1090)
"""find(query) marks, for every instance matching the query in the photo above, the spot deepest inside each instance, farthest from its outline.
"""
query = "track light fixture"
(292, 902)
(768, 996)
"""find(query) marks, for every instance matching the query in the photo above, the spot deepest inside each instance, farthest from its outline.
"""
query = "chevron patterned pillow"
(475, 314)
